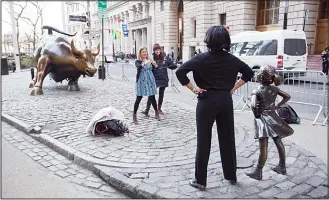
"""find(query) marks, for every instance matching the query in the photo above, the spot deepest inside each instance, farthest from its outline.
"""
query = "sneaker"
(194, 183)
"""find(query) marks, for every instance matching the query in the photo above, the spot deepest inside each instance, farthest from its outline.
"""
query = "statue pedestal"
(243, 163)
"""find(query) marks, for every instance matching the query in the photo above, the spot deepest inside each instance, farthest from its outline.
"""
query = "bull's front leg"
(42, 71)
(73, 84)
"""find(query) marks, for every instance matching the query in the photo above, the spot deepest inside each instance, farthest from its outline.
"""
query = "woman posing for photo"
(145, 82)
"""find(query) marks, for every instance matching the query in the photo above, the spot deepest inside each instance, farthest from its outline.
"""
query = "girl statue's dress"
(145, 85)
(269, 124)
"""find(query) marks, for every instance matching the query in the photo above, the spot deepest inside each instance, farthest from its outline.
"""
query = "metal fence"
(308, 90)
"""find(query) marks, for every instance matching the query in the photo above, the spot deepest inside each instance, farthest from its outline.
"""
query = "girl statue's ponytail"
(277, 79)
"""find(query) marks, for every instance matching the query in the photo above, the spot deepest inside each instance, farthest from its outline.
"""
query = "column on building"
(138, 39)
(145, 5)
(133, 39)
(110, 35)
(131, 33)
(133, 13)
(122, 21)
(142, 33)
(126, 39)
(139, 11)
(117, 25)
(149, 37)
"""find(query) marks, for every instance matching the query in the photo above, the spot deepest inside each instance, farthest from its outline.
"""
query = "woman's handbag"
(288, 114)
(111, 127)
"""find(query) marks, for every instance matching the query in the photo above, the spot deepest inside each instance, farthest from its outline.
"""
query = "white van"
(283, 49)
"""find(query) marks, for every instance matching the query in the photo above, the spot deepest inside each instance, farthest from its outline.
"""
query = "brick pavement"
(157, 157)
(58, 164)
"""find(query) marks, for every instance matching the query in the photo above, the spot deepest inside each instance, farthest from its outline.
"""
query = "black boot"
(257, 173)
(280, 169)
(159, 109)
(146, 112)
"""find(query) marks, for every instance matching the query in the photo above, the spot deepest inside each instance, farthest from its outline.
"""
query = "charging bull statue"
(61, 60)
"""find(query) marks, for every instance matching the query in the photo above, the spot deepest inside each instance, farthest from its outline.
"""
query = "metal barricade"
(306, 88)
(124, 77)
(172, 81)
(108, 70)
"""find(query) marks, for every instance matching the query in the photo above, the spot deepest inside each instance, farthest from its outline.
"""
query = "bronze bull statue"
(61, 60)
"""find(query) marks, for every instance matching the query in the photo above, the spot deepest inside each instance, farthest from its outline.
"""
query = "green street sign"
(102, 4)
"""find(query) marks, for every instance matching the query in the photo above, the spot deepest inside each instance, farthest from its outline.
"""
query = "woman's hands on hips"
(198, 90)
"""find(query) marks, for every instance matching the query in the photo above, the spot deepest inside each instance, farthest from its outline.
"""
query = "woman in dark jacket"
(215, 75)
(161, 76)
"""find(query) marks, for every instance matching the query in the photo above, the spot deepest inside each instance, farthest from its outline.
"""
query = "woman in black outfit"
(161, 76)
(215, 75)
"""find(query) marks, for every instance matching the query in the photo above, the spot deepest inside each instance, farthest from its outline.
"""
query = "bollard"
(32, 74)
(4, 66)
(101, 72)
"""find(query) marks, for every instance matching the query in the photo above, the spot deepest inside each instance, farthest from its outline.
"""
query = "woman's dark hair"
(327, 48)
(158, 57)
(217, 39)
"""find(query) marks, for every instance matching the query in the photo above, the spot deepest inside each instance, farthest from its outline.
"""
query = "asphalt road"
(22, 177)
(305, 96)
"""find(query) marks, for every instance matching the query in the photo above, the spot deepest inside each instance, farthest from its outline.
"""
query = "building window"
(222, 19)
(194, 27)
(161, 5)
(268, 12)
(324, 9)
(77, 7)
(68, 10)
(72, 8)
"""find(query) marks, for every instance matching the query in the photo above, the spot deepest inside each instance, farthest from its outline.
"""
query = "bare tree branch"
(22, 9)
(27, 20)
(6, 22)
(37, 36)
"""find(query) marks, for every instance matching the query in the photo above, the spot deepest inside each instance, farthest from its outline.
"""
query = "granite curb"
(20, 125)
(110, 176)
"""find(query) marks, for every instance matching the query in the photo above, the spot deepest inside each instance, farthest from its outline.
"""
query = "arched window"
(268, 12)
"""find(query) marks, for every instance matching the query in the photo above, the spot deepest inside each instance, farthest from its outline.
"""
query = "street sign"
(102, 4)
(77, 18)
(102, 14)
(102, 9)
(125, 30)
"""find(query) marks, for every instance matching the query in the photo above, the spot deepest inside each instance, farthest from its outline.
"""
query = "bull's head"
(85, 59)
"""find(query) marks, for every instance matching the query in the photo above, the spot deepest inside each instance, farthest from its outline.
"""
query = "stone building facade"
(179, 26)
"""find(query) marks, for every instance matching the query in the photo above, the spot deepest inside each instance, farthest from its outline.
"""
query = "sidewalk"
(157, 158)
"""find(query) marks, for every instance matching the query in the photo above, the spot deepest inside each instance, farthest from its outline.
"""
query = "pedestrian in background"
(145, 82)
(325, 60)
(215, 75)
(267, 122)
(161, 76)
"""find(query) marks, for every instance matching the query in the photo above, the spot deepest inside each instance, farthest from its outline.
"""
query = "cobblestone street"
(58, 164)
(157, 156)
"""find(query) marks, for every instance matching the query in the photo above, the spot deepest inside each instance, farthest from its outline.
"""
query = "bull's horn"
(74, 50)
(95, 53)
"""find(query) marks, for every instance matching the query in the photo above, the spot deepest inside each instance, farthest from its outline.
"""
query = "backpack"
(111, 127)
(288, 114)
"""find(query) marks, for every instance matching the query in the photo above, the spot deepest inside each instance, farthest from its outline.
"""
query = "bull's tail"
(51, 29)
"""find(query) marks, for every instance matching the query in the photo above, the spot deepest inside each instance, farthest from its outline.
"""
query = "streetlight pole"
(15, 39)
(89, 22)
(285, 16)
